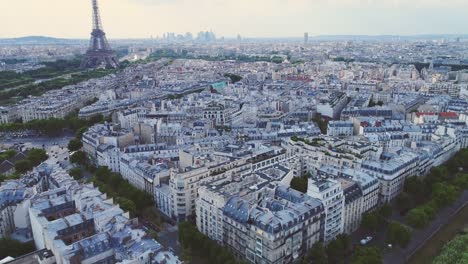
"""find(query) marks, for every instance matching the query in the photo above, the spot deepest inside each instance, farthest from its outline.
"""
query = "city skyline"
(260, 18)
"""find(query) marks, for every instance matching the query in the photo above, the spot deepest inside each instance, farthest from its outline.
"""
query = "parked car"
(366, 240)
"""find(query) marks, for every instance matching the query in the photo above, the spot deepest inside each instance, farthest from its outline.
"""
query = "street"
(170, 238)
(39, 142)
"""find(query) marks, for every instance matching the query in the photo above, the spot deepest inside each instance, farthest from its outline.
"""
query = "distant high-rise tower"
(99, 52)
(306, 38)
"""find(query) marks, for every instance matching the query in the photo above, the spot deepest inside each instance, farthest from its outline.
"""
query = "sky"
(249, 18)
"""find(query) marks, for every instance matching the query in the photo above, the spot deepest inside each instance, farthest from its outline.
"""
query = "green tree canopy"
(370, 221)
(417, 189)
(398, 234)
(456, 251)
(13, 248)
(7, 154)
(234, 78)
(75, 144)
(403, 202)
(338, 248)
(79, 157)
(23, 166)
(300, 183)
(367, 255)
(37, 156)
(316, 255)
(127, 205)
(385, 211)
(444, 194)
(417, 217)
(76, 173)
(195, 243)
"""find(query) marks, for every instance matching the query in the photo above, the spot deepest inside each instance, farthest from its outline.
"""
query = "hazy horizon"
(131, 19)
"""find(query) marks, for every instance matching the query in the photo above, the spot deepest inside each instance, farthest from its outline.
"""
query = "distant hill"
(38, 40)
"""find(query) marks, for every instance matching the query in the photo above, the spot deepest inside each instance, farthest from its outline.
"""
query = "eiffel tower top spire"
(99, 53)
(97, 24)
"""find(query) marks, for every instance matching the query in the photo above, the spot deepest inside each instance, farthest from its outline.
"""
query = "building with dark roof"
(279, 228)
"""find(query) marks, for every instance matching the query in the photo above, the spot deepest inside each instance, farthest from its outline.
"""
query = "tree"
(23, 166)
(316, 255)
(37, 156)
(454, 251)
(103, 174)
(187, 254)
(444, 194)
(75, 144)
(461, 181)
(398, 234)
(417, 217)
(194, 242)
(7, 154)
(153, 234)
(415, 187)
(13, 248)
(436, 175)
(79, 133)
(430, 209)
(234, 78)
(370, 221)
(79, 157)
(367, 255)
(403, 202)
(76, 173)
(127, 205)
(300, 183)
(338, 248)
(322, 124)
(385, 211)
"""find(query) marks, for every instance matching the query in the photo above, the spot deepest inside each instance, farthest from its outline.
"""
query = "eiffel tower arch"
(99, 52)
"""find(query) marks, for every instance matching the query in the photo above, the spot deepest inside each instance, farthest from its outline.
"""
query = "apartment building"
(79, 224)
(332, 104)
(250, 186)
(392, 170)
(276, 230)
(330, 193)
(340, 129)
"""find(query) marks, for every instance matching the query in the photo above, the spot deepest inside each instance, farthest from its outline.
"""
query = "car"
(366, 240)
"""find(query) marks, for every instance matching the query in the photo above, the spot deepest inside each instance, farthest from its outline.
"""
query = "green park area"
(454, 252)
(55, 75)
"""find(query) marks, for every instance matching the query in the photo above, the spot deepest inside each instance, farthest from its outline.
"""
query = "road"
(59, 155)
(170, 238)
(40, 142)
(56, 148)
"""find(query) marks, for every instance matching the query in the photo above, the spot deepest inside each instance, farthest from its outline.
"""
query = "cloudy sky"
(250, 18)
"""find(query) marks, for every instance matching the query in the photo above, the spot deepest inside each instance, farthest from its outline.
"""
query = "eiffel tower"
(99, 52)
